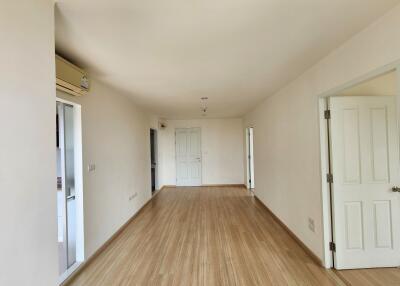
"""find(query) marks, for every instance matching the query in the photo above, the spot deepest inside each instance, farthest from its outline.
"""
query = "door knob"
(396, 189)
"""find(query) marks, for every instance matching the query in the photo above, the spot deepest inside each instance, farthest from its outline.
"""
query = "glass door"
(153, 159)
(66, 196)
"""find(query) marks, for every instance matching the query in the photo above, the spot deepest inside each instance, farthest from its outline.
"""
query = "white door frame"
(156, 159)
(325, 149)
(250, 163)
(78, 166)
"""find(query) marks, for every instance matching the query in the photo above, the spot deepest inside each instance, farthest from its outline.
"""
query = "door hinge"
(332, 246)
(329, 178)
(327, 114)
(250, 181)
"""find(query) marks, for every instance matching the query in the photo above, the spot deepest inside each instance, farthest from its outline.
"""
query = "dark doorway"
(153, 159)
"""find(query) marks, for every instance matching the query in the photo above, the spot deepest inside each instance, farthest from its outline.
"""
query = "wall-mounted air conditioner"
(70, 78)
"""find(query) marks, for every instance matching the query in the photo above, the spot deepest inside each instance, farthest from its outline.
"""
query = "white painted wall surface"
(222, 146)
(286, 128)
(116, 138)
(28, 214)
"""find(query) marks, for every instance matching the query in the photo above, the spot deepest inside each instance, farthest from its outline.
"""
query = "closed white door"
(365, 167)
(188, 156)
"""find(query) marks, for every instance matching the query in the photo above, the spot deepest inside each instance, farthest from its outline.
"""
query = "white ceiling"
(167, 54)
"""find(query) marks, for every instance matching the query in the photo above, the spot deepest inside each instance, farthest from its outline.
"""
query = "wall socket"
(133, 196)
(91, 167)
(311, 224)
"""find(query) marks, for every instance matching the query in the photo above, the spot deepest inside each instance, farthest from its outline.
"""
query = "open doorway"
(69, 187)
(153, 159)
(250, 157)
(360, 156)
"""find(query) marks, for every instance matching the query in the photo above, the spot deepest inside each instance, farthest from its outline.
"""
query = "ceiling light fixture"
(204, 106)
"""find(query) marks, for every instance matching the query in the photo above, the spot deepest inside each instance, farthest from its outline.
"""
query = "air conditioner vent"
(70, 78)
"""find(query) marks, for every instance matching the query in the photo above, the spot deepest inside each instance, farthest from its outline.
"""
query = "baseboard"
(87, 262)
(224, 185)
(209, 185)
(294, 236)
(167, 186)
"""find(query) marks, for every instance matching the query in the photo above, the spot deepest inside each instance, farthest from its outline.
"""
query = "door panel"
(66, 189)
(250, 157)
(188, 156)
(354, 225)
(153, 160)
(351, 146)
(70, 182)
(61, 190)
(383, 224)
(365, 165)
(181, 158)
(379, 145)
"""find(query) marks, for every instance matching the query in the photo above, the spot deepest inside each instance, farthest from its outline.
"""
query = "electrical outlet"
(91, 167)
(133, 196)
(311, 224)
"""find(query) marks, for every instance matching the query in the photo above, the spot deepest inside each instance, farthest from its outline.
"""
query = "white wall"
(286, 128)
(116, 138)
(222, 150)
(28, 215)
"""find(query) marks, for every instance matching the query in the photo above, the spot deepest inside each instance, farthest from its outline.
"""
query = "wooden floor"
(209, 236)
(371, 277)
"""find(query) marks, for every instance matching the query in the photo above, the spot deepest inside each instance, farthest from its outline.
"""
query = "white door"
(365, 167)
(188, 156)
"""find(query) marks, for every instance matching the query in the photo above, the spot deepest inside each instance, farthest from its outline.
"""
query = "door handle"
(72, 197)
(396, 189)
